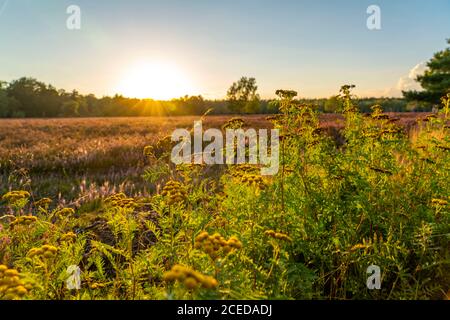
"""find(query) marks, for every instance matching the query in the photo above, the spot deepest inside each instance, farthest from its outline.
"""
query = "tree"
(70, 108)
(9, 107)
(189, 105)
(242, 96)
(4, 103)
(435, 81)
(35, 98)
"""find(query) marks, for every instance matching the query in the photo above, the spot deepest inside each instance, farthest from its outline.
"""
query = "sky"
(146, 47)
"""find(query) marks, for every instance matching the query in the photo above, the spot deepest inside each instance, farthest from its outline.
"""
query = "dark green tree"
(36, 99)
(243, 97)
(70, 108)
(435, 81)
(4, 103)
(9, 107)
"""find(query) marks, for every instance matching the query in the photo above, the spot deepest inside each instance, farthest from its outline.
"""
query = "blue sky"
(311, 46)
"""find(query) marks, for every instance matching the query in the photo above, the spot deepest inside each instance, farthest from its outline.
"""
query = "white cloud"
(407, 82)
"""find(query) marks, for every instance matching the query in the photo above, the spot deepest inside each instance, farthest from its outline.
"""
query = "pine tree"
(435, 81)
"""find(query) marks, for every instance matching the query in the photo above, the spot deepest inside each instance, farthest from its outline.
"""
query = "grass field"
(354, 190)
(66, 157)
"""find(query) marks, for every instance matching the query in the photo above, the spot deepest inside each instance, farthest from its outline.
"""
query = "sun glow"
(159, 81)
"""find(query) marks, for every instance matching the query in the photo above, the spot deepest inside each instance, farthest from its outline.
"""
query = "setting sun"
(159, 81)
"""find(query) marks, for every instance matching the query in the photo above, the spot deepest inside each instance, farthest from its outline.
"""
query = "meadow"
(354, 190)
(65, 157)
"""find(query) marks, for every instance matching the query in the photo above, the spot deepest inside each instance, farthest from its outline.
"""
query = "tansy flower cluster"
(254, 181)
(162, 146)
(97, 285)
(65, 212)
(23, 220)
(393, 130)
(68, 237)
(374, 134)
(121, 200)
(234, 123)
(187, 167)
(174, 191)
(11, 286)
(278, 235)
(46, 251)
(215, 244)
(243, 169)
(439, 202)
(15, 196)
(190, 278)
(288, 170)
(248, 175)
(43, 203)
(276, 119)
(148, 151)
(378, 114)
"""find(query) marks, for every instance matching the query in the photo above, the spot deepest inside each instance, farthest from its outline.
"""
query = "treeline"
(28, 97)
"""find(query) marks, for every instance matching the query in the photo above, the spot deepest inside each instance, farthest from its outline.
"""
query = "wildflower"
(121, 200)
(234, 123)
(148, 151)
(391, 131)
(285, 136)
(439, 202)
(286, 94)
(97, 285)
(376, 109)
(190, 278)
(188, 167)
(174, 191)
(288, 170)
(12, 287)
(161, 148)
(378, 114)
(276, 119)
(254, 181)
(15, 196)
(65, 212)
(46, 252)
(278, 235)
(240, 170)
(68, 237)
(443, 147)
(216, 245)
(43, 203)
(23, 220)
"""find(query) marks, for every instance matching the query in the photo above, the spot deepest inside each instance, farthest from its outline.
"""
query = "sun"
(155, 80)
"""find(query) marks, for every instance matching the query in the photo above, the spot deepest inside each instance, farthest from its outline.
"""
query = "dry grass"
(63, 157)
